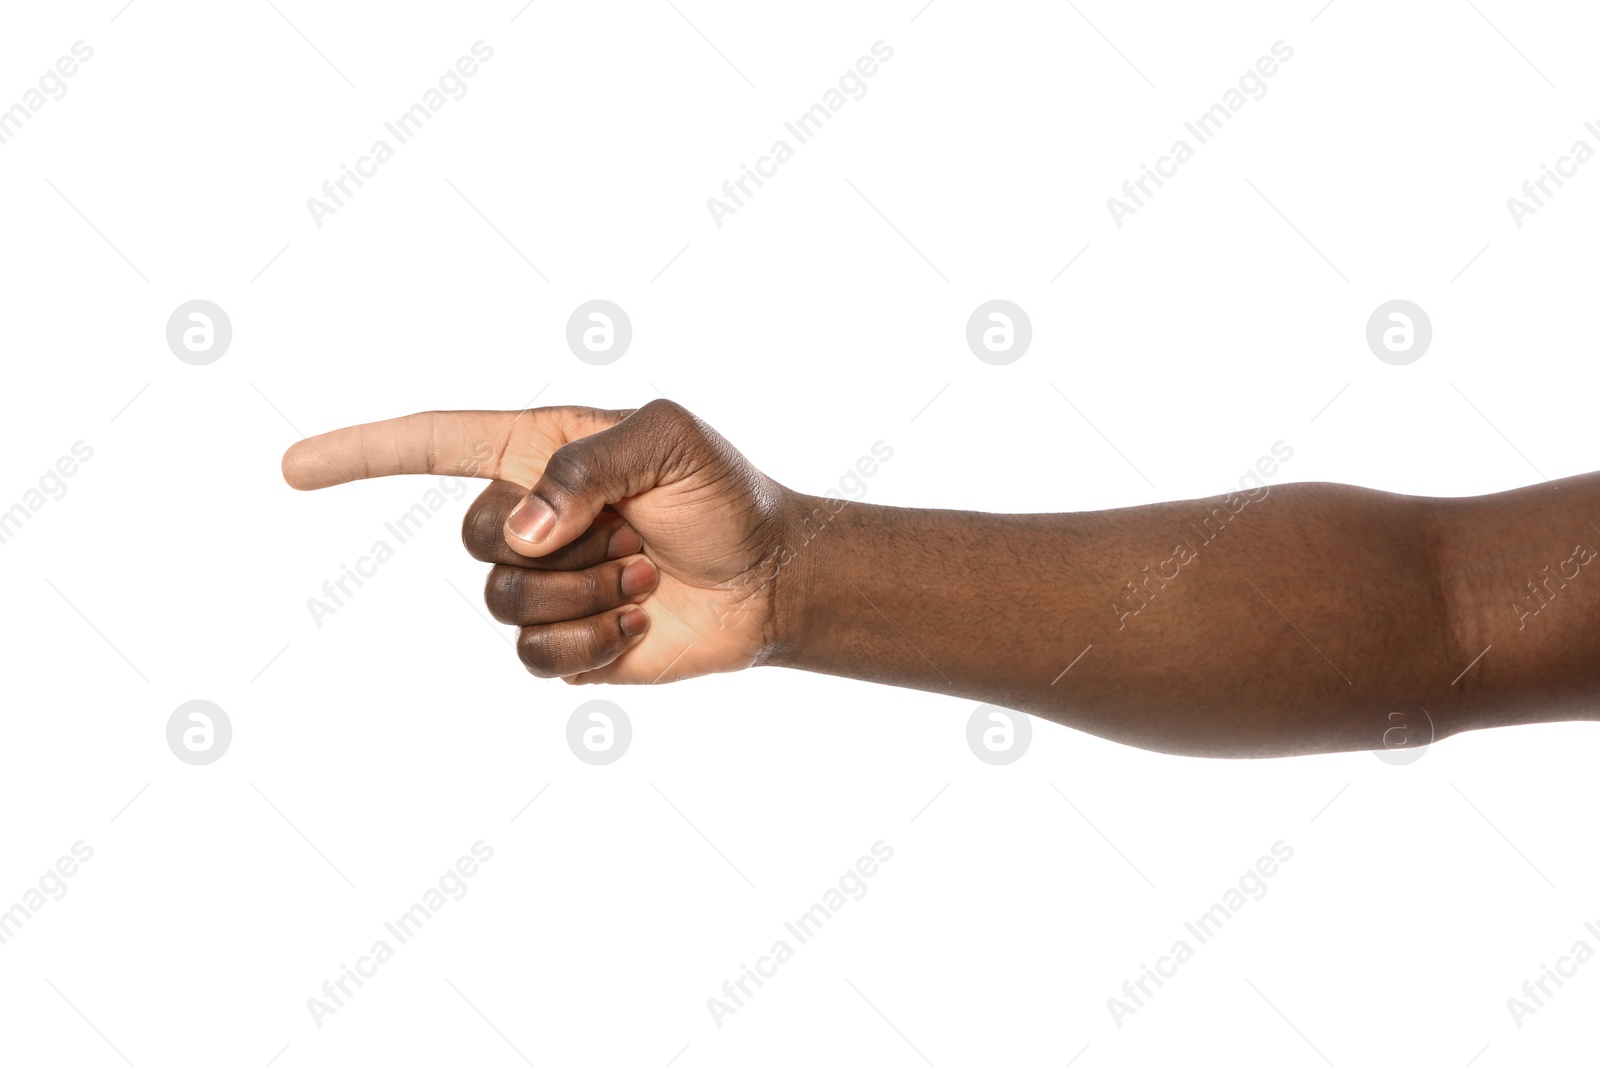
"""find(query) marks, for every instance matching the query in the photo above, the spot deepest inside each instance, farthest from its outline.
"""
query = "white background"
(369, 753)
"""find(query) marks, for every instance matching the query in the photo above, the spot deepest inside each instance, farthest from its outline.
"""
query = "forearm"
(1298, 621)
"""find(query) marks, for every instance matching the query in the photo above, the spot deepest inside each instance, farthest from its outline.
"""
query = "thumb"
(642, 451)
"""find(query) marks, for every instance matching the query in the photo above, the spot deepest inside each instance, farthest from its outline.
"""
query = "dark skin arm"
(1306, 618)
(1202, 662)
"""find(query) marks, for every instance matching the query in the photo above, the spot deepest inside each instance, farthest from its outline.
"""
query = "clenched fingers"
(560, 649)
(522, 596)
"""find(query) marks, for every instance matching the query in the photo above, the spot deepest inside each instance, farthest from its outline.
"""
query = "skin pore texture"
(639, 547)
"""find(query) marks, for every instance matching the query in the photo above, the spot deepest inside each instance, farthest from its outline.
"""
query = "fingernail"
(625, 542)
(532, 520)
(637, 577)
(633, 623)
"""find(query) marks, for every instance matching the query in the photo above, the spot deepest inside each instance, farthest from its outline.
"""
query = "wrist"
(812, 559)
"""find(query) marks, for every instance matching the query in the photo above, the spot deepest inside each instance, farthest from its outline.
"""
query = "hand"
(629, 546)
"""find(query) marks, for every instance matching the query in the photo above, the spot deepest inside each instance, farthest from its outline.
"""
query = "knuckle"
(603, 638)
(590, 590)
(483, 525)
(537, 652)
(571, 465)
(679, 438)
(481, 530)
(666, 410)
(502, 593)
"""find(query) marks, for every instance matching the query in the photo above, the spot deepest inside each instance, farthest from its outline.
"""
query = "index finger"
(513, 445)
